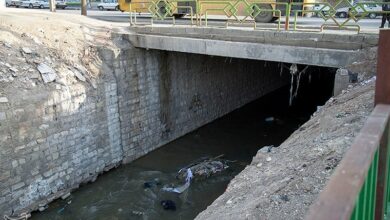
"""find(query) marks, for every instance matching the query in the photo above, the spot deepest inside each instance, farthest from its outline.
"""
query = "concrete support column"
(2, 4)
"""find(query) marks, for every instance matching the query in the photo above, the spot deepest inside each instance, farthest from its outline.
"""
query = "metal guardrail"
(342, 15)
(360, 186)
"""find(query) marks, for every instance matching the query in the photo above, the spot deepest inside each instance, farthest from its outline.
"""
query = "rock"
(3, 116)
(3, 100)
(268, 159)
(42, 207)
(259, 165)
(13, 69)
(269, 119)
(80, 68)
(229, 202)
(266, 149)
(284, 198)
(44, 127)
(79, 76)
(26, 50)
(47, 73)
(65, 196)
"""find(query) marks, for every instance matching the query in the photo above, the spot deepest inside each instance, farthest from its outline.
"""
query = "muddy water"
(120, 193)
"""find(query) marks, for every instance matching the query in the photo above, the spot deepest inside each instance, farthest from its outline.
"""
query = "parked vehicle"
(12, 3)
(108, 5)
(44, 4)
(324, 9)
(372, 10)
(263, 10)
(61, 4)
(31, 4)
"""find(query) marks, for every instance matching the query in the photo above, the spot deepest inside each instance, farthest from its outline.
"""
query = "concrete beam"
(247, 50)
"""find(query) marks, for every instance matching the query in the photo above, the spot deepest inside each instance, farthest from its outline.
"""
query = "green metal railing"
(331, 14)
(365, 203)
(359, 189)
(341, 15)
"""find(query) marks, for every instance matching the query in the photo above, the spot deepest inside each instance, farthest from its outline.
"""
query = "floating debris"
(205, 168)
(136, 212)
(168, 205)
(182, 188)
(150, 184)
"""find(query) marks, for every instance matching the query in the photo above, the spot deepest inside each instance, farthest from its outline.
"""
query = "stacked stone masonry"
(53, 140)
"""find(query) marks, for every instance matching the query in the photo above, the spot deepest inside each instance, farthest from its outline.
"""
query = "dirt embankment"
(283, 184)
(61, 41)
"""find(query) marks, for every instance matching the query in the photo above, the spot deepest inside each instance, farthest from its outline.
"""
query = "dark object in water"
(150, 184)
(168, 205)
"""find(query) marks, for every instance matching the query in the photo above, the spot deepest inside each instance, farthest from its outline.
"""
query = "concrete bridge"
(152, 86)
(320, 49)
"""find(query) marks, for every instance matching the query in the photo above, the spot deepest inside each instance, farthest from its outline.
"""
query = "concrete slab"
(320, 49)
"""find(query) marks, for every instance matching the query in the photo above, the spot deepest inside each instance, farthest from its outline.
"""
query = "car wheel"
(343, 14)
(41, 6)
(372, 15)
(30, 6)
(264, 16)
(101, 8)
(6, 4)
(116, 8)
(177, 16)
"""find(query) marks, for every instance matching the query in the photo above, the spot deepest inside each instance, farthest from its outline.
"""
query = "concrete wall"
(56, 137)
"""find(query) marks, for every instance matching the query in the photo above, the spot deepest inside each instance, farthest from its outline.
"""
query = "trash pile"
(204, 168)
(200, 170)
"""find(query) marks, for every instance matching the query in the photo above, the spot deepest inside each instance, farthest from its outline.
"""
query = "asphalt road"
(366, 24)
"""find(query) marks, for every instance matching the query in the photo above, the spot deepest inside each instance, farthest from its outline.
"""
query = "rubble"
(79, 76)
(26, 50)
(47, 73)
(3, 100)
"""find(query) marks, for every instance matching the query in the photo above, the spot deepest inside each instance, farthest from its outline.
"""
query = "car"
(324, 8)
(371, 9)
(31, 4)
(61, 4)
(45, 4)
(108, 5)
(321, 9)
(12, 3)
